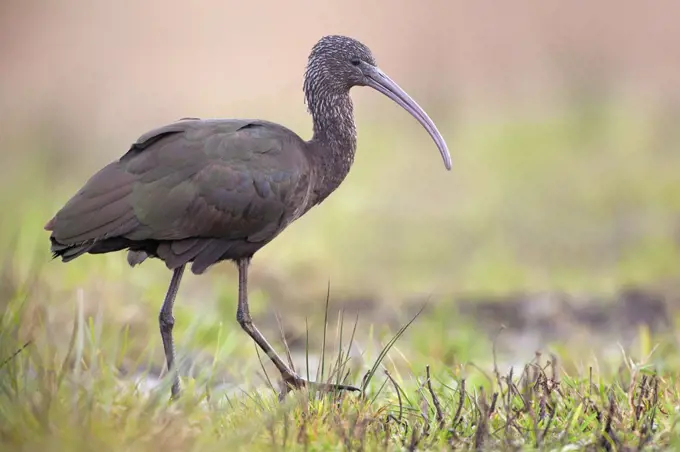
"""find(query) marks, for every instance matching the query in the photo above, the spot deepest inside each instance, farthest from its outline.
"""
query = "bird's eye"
(355, 61)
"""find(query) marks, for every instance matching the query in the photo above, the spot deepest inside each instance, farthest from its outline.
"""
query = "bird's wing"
(226, 179)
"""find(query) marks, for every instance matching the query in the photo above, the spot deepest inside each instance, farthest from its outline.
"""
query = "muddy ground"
(540, 318)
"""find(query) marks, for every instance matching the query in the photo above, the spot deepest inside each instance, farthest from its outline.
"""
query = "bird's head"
(337, 63)
(340, 63)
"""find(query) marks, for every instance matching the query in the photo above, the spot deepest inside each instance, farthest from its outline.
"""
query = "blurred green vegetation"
(580, 198)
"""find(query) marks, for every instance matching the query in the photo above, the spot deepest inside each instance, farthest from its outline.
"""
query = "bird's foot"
(294, 382)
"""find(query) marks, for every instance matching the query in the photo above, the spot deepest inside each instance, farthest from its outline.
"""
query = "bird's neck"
(334, 143)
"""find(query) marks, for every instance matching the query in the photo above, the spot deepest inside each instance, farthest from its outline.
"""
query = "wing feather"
(101, 208)
(193, 187)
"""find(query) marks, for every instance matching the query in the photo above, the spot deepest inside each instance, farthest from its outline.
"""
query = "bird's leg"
(167, 322)
(291, 380)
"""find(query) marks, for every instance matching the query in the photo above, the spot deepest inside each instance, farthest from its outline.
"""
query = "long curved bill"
(380, 82)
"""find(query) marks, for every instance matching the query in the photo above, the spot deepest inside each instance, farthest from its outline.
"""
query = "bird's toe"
(296, 382)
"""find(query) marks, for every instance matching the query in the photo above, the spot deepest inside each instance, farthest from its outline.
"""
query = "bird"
(200, 191)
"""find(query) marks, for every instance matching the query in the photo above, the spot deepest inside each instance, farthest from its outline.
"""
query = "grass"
(79, 399)
(535, 203)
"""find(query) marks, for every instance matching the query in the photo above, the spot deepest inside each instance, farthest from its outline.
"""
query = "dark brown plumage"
(202, 191)
(192, 191)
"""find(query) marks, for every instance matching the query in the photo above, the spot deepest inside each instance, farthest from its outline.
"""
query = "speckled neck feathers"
(335, 140)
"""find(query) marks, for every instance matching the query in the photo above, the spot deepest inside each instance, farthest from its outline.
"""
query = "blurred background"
(561, 216)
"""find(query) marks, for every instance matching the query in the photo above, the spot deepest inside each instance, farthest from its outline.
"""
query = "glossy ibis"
(201, 191)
